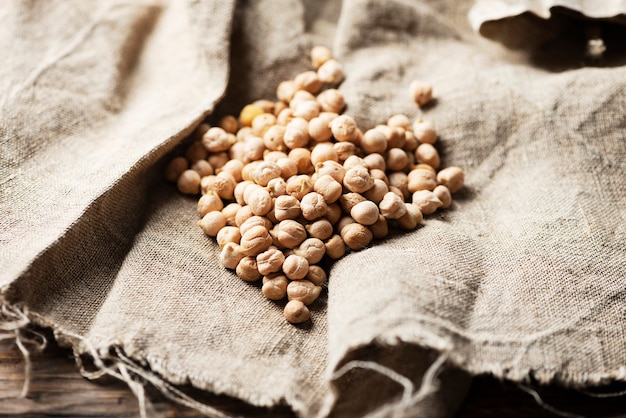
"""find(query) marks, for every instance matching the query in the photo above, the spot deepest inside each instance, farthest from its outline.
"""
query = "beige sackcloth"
(523, 277)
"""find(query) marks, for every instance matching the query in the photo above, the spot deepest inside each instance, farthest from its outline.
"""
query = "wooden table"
(57, 389)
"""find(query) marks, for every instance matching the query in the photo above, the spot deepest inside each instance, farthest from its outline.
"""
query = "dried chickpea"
(223, 184)
(354, 161)
(230, 213)
(313, 206)
(443, 193)
(247, 269)
(302, 157)
(396, 159)
(334, 213)
(196, 151)
(380, 228)
(421, 92)
(420, 179)
(300, 97)
(377, 174)
(374, 141)
(328, 187)
(240, 188)
(270, 261)
(399, 121)
(331, 72)
(303, 290)
(279, 106)
(243, 215)
(264, 172)
(345, 150)
(308, 81)
(451, 177)
(216, 140)
(296, 133)
(175, 168)
(307, 110)
(349, 200)
(312, 249)
(358, 179)
(260, 202)
(288, 167)
(253, 221)
(266, 105)
(332, 168)
(411, 218)
(228, 234)
(248, 191)
(274, 138)
(344, 128)
(199, 131)
(356, 236)
(425, 131)
(321, 229)
(229, 124)
(209, 202)
(345, 220)
(230, 255)
(248, 113)
(217, 159)
(319, 55)
(298, 186)
(233, 167)
(427, 154)
(254, 241)
(400, 180)
(375, 161)
(296, 312)
(365, 213)
(410, 141)
(243, 133)
(335, 247)
(377, 192)
(277, 187)
(285, 90)
(295, 267)
(212, 222)
(426, 201)
(392, 206)
(319, 127)
(285, 116)
(316, 275)
(331, 100)
(253, 149)
(323, 151)
(189, 182)
(275, 286)
(289, 233)
(273, 156)
(286, 207)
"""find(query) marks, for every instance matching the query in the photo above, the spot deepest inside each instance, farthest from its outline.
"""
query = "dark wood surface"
(57, 389)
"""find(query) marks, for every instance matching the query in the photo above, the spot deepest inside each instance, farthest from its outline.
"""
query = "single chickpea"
(377, 192)
(365, 213)
(335, 247)
(270, 261)
(344, 128)
(396, 138)
(331, 168)
(399, 121)
(410, 141)
(328, 187)
(399, 180)
(320, 229)
(374, 141)
(334, 213)
(307, 110)
(264, 172)
(248, 191)
(302, 157)
(312, 249)
(209, 202)
(375, 161)
(233, 167)
(298, 186)
(289, 233)
(343, 222)
(296, 312)
(212, 222)
(392, 206)
(286, 90)
(356, 236)
(354, 161)
(427, 154)
(319, 55)
(300, 97)
(316, 275)
(253, 221)
(331, 100)
(349, 200)
(426, 201)
(396, 159)
(288, 167)
(254, 241)
(425, 131)
(216, 140)
(237, 151)
(277, 187)
(243, 133)
(228, 234)
(223, 184)
(229, 124)
(313, 206)
(266, 105)
(319, 127)
(308, 81)
(380, 228)
(285, 116)
(218, 159)
(243, 215)
(196, 151)
(279, 106)
(175, 168)
(303, 290)
(419, 179)
(421, 92)
(331, 72)
(230, 255)
(273, 156)
(425, 167)
(248, 113)
(451, 177)
(358, 180)
(247, 269)
(345, 150)
(286, 207)
(239, 190)
(323, 151)
(189, 182)
(253, 149)
(230, 213)
(443, 193)
(296, 133)
(275, 286)
(377, 174)
(411, 218)
(260, 202)
(295, 267)
(274, 138)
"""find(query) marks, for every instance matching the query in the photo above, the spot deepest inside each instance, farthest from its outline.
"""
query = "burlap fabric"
(522, 278)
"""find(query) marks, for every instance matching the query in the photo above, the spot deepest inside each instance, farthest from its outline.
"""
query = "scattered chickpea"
(308, 81)
(247, 269)
(349, 200)
(425, 131)
(243, 215)
(270, 261)
(313, 206)
(286, 90)
(397, 159)
(295, 267)
(411, 218)
(451, 177)
(230, 213)
(426, 201)
(365, 213)
(189, 182)
(375, 161)
(344, 128)
(334, 213)
(216, 140)
(254, 241)
(345, 150)
(233, 167)
(264, 172)
(253, 221)
(275, 286)
(443, 193)
(335, 247)
(230, 255)
(401, 181)
(331, 72)
(427, 154)
(358, 180)
(356, 236)
(377, 192)
(196, 151)
(380, 228)
(323, 151)
(354, 161)
(277, 187)
(332, 168)
(328, 187)
(229, 124)
(212, 222)
(312, 249)
(298, 186)
(286, 207)
(266, 105)
(321, 229)
(420, 179)
(248, 113)
(399, 121)
(209, 202)
(316, 275)
(175, 168)
(374, 141)
(296, 133)
(296, 312)
(303, 290)
(228, 234)
(319, 55)
(331, 100)
(302, 157)
(289, 233)
(288, 167)
(273, 138)
(392, 206)
(319, 128)
(421, 92)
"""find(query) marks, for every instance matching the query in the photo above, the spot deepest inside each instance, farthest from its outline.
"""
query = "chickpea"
(356, 236)
(295, 267)
(419, 179)
(331, 72)
(421, 92)
(443, 193)
(358, 180)
(233, 167)
(375, 161)
(289, 233)
(266, 105)
(334, 212)
(303, 290)
(270, 261)
(279, 106)
(328, 187)
(312, 249)
(209, 202)
(377, 174)
(354, 161)
(212, 222)
(264, 172)
(335, 247)
(254, 241)
(254, 221)
(365, 213)
(228, 234)
(399, 121)
(349, 200)
(275, 286)
(396, 159)
(238, 192)
(230, 255)
(316, 275)
(302, 157)
(217, 159)
(216, 140)
(273, 156)
(175, 168)
(223, 184)
(451, 177)
(285, 116)
(392, 206)
(286, 207)
(380, 228)
(426, 201)
(323, 151)
(288, 167)
(247, 269)
(345, 220)
(248, 113)
(319, 55)
(427, 154)
(319, 127)
(331, 100)
(425, 131)
(410, 141)
(332, 168)
(229, 124)
(296, 312)
(321, 229)
(286, 90)
(400, 180)
(243, 215)
(274, 138)
(313, 206)
(307, 110)
(253, 149)
(296, 133)
(230, 213)
(196, 151)
(345, 150)
(308, 81)
(411, 218)
(277, 187)
(377, 192)
(344, 128)
(298, 186)
(374, 141)
(189, 182)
